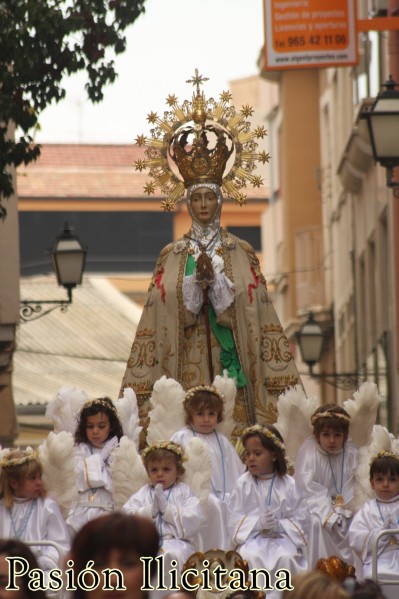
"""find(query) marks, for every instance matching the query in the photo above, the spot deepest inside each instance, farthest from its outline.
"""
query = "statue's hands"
(204, 271)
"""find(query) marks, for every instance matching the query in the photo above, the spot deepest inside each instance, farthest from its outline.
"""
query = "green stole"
(228, 353)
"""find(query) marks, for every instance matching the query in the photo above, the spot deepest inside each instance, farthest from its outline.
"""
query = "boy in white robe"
(203, 406)
(170, 503)
(324, 471)
(381, 513)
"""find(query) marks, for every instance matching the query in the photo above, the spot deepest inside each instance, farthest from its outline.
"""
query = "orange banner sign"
(309, 33)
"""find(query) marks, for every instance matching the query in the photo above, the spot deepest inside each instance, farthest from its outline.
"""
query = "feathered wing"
(64, 408)
(227, 386)
(167, 413)
(363, 412)
(198, 470)
(293, 422)
(127, 471)
(57, 455)
(128, 415)
(380, 440)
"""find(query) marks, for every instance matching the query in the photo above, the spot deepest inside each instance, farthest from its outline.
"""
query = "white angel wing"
(227, 386)
(167, 414)
(127, 471)
(293, 422)
(64, 408)
(198, 470)
(128, 414)
(363, 412)
(57, 455)
(380, 440)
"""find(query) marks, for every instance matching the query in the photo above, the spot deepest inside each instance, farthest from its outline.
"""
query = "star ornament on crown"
(200, 137)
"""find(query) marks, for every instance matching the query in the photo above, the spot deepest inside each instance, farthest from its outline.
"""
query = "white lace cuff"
(192, 294)
(221, 293)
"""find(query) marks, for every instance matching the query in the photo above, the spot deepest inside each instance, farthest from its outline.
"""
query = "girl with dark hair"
(14, 548)
(97, 435)
(115, 541)
(268, 519)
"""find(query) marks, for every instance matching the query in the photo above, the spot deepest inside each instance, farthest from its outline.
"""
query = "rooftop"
(82, 171)
(86, 347)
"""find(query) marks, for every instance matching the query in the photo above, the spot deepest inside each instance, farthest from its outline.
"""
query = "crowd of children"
(275, 520)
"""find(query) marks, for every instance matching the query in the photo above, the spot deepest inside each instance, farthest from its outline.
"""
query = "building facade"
(332, 227)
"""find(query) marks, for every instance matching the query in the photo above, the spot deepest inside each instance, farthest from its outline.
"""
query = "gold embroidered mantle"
(171, 341)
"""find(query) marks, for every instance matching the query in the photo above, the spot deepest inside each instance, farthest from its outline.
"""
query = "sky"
(222, 38)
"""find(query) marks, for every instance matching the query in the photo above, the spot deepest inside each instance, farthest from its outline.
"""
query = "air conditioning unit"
(378, 8)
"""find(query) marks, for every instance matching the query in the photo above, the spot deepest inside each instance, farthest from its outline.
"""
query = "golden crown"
(259, 429)
(198, 161)
(9, 462)
(200, 137)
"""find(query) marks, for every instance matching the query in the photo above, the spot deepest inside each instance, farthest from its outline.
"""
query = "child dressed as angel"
(324, 470)
(204, 410)
(169, 502)
(88, 458)
(377, 514)
(267, 517)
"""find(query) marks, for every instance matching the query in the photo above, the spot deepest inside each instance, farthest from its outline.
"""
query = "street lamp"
(68, 259)
(383, 125)
(310, 339)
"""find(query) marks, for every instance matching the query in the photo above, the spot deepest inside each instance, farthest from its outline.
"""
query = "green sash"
(228, 352)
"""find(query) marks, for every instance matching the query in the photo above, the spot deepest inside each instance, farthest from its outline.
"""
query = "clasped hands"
(159, 502)
(269, 522)
(108, 448)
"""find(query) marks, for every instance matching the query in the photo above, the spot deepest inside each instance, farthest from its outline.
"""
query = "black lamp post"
(68, 258)
(383, 125)
(310, 339)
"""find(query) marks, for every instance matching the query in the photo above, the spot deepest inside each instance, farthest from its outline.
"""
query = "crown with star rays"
(199, 137)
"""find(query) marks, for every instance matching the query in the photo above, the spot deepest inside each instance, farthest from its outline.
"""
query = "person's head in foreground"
(116, 541)
(12, 548)
(315, 585)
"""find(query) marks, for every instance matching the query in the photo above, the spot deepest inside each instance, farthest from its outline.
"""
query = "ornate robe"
(172, 341)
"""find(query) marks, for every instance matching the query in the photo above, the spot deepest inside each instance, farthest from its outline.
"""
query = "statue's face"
(204, 204)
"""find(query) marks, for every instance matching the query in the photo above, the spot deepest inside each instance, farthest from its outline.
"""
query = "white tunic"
(321, 477)
(365, 526)
(36, 520)
(287, 548)
(226, 469)
(94, 483)
(180, 523)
